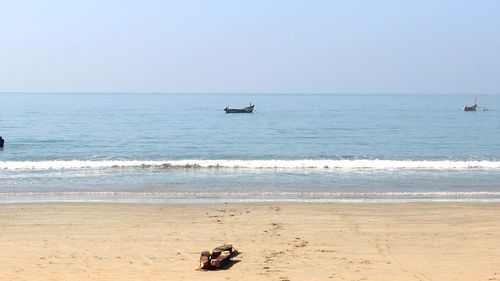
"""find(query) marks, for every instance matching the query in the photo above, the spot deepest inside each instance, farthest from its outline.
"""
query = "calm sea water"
(184, 148)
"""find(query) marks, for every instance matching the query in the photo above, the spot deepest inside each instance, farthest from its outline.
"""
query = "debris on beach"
(219, 257)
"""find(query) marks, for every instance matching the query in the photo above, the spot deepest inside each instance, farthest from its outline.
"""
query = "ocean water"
(302, 147)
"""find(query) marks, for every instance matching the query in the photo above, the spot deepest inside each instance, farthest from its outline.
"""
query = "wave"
(217, 197)
(253, 164)
(259, 193)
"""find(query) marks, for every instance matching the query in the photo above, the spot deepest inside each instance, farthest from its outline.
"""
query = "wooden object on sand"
(219, 257)
(205, 259)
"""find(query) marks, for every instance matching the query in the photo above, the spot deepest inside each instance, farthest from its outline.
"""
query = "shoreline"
(194, 198)
(251, 203)
(277, 241)
(263, 202)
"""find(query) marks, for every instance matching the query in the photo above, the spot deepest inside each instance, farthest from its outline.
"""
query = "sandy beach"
(428, 241)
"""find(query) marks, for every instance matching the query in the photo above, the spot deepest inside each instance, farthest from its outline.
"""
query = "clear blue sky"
(250, 46)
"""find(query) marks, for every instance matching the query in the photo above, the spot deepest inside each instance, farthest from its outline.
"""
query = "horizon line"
(247, 93)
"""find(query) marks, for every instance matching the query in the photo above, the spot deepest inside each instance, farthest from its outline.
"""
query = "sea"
(183, 148)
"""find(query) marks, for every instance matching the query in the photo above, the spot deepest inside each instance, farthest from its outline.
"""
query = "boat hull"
(469, 108)
(248, 109)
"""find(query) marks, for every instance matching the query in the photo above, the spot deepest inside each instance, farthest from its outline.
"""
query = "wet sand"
(427, 241)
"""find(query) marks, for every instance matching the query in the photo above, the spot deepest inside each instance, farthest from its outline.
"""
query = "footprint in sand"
(300, 243)
(274, 231)
(325, 251)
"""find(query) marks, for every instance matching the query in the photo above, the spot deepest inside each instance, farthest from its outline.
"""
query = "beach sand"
(427, 241)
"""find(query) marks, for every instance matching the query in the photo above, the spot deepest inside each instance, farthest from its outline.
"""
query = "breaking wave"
(253, 164)
(215, 197)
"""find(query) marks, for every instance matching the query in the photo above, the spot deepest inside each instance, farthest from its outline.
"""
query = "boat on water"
(471, 107)
(248, 109)
(474, 107)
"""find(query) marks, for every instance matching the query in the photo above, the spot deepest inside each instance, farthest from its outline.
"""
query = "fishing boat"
(471, 107)
(248, 109)
(474, 107)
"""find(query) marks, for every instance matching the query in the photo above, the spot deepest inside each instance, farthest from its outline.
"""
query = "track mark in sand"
(269, 267)
(274, 265)
(300, 243)
(385, 250)
(349, 223)
(219, 210)
(496, 277)
(383, 247)
(325, 251)
(216, 218)
(276, 227)
(365, 262)
(272, 256)
(222, 215)
(276, 209)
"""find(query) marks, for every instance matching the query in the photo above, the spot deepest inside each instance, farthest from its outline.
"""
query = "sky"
(250, 46)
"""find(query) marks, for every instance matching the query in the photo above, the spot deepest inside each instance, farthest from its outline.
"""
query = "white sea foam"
(217, 197)
(254, 164)
(260, 193)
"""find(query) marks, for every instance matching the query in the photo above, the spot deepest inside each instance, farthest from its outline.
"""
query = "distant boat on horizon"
(474, 107)
(248, 109)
